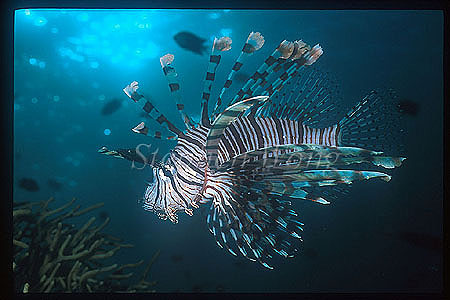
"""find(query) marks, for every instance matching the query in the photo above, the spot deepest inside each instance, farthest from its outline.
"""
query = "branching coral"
(52, 255)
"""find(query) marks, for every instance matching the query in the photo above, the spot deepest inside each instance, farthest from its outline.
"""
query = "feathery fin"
(254, 42)
(131, 91)
(143, 129)
(219, 45)
(374, 123)
(174, 86)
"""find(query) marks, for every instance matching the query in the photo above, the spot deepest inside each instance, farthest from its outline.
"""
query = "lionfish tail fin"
(174, 86)
(219, 45)
(374, 123)
(254, 42)
(131, 91)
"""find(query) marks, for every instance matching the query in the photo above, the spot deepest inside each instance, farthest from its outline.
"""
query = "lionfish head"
(161, 196)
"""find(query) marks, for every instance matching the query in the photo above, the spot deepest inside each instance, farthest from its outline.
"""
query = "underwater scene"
(182, 150)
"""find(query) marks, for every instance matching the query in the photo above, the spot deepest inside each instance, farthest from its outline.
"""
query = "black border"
(7, 142)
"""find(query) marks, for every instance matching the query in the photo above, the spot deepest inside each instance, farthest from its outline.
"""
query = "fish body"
(185, 181)
(191, 42)
(29, 184)
(111, 107)
(277, 141)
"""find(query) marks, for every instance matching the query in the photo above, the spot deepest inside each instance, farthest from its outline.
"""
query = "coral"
(52, 255)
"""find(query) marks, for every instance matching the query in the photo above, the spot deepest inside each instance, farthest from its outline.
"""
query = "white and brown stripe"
(248, 133)
(254, 42)
(174, 86)
(152, 112)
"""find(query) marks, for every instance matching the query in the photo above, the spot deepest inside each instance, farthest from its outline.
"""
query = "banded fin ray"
(219, 45)
(174, 86)
(143, 129)
(254, 42)
(131, 91)
(374, 123)
(312, 96)
(258, 227)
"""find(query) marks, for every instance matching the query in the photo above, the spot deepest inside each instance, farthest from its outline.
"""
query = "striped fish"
(277, 141)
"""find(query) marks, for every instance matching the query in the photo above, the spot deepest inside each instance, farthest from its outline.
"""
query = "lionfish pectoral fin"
(304, 156)
(106, 151)
(255, 228)
(222, 121)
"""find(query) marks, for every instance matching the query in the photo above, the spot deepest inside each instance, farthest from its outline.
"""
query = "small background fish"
(29, 184)
(111, 107)
(191, 42)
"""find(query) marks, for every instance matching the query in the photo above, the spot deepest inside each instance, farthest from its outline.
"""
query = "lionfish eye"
(166, 170)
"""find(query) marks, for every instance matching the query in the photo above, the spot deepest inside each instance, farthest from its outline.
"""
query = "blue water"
(69, 63)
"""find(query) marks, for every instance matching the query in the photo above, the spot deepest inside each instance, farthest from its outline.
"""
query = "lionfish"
(273, 143)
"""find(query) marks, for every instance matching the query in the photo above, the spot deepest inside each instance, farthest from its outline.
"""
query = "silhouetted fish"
(422, 240)
(29, 184)
(191, 42)
(54, 184)
(111, 107)
(408, 107)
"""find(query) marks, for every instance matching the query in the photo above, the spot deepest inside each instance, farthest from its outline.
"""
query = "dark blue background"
(350, 245)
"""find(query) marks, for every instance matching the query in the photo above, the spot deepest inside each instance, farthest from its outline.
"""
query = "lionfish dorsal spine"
(254, 42)
(131, 91)
(219, 45)
(143, 129)
(174, 87)
(259, 77)
(300, 59)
